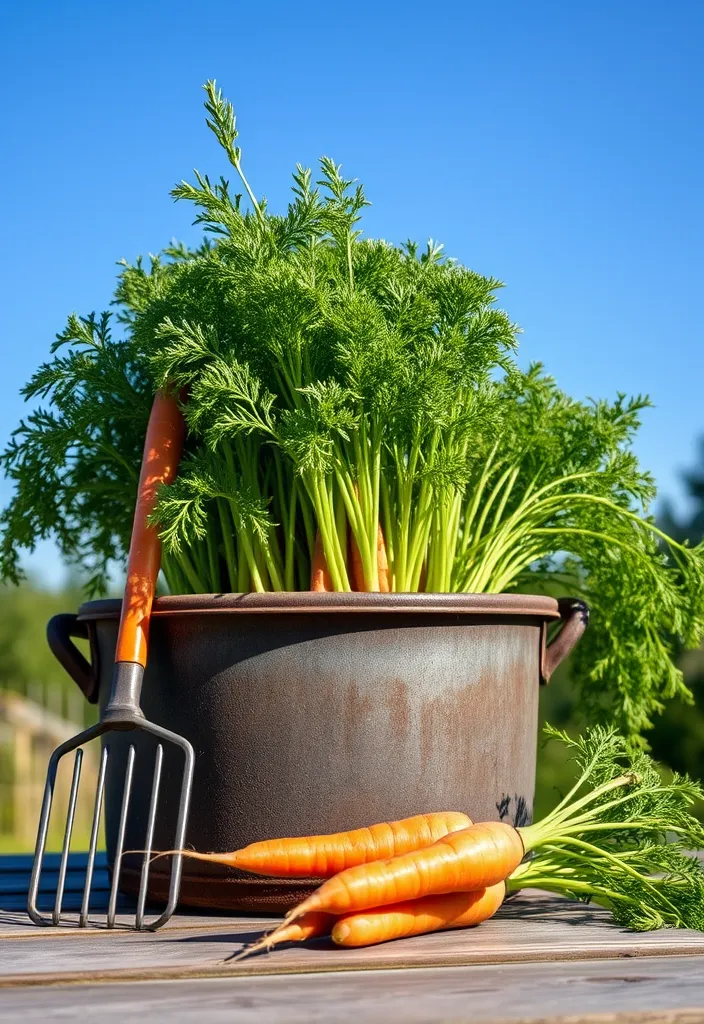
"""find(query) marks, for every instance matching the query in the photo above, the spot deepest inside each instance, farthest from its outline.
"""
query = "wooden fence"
(31, 726)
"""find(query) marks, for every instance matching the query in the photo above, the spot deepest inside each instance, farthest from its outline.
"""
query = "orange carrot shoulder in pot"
(320, 578)
(382, 562)
(357, 566)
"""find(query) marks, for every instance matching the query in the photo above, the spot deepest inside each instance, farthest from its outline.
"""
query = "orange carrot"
(417, 917)
(320, 578)
(423, 577)
(354, 558)
(310, 926)
(323, 856)
(473, 858)
(382, 562)
(357, 566)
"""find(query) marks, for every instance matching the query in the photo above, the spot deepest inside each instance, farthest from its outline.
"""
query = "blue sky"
(557, 146)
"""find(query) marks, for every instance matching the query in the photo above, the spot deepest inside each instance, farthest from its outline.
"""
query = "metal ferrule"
(123, 706)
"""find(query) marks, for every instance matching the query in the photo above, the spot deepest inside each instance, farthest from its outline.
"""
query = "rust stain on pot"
(356, 707)
(397, 701)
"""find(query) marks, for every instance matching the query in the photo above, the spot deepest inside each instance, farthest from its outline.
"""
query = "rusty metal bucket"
(318, 712)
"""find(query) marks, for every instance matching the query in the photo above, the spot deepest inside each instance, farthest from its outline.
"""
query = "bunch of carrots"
(321, 580)
(619, 838)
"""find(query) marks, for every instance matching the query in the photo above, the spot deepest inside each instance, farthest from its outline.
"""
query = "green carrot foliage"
(622, 837)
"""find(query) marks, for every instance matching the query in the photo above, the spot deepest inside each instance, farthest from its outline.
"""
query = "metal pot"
(313, 713)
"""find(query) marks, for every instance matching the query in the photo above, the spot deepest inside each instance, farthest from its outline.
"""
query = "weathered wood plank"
(533, 927)
(598, 992)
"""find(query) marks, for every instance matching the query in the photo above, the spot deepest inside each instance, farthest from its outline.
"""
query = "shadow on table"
(536, 908)
(551, 908)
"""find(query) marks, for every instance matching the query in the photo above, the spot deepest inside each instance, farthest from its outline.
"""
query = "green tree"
(27, 666)
(677, 737)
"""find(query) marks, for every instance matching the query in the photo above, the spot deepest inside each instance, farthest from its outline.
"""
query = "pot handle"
(59, 631)
(574, 615)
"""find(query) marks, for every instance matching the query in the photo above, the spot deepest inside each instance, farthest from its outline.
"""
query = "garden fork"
(162, 451)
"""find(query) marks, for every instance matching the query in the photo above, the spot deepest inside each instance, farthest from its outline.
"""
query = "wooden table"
(541, 958)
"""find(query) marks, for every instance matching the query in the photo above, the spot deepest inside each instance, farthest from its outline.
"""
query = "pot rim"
(311, 603)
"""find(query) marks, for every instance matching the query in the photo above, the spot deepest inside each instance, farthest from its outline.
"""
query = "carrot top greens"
(620, 794)
(621, 837)
(336, 383)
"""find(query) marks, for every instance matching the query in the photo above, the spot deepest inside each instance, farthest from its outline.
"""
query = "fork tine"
(141, 899)
(78, 761)
(40, 847)
(117, 864)
(76, 744)
(95, 828)
(181, 824)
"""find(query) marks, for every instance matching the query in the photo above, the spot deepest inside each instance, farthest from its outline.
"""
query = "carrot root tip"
(256, 947)
(240, 955)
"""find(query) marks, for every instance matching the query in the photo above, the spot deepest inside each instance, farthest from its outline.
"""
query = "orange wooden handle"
(162, 452)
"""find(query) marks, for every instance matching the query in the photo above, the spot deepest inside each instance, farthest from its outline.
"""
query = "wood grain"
(533, 927)
(664, 991)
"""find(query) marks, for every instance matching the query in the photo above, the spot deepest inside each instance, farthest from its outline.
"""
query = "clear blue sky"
(557, 146)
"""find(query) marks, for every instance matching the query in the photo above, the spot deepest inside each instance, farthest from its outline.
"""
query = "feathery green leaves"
(621, 837)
